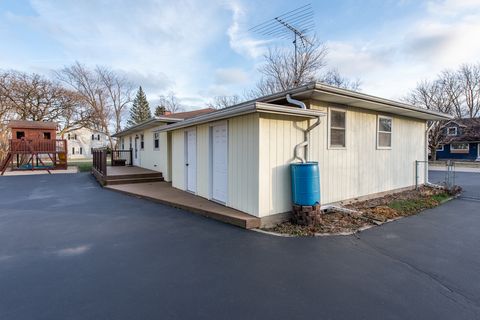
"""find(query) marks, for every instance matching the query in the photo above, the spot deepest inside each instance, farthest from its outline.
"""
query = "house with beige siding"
(240, 156)
(149, 146)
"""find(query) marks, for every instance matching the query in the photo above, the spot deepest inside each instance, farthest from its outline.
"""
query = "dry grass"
(369, 213)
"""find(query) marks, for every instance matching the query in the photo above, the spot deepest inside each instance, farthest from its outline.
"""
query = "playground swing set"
(33, 146)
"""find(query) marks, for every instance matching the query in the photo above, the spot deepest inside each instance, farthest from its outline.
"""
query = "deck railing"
(100, 161)
(20, 146)
(121, 158)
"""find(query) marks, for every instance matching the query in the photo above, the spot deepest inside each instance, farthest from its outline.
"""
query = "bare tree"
(90, 87)
(469, 81)
(221, 102)
(433, 95)
(119, 90)
(33, 97)
(283, 69)
(171, 103)
(334, 78)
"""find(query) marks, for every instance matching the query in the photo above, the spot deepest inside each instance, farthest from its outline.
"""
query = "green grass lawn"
(83, 166)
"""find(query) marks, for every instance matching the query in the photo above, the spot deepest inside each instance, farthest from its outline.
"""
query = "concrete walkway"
(163, 192)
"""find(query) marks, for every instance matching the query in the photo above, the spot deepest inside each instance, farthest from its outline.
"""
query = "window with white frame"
(338, 125)
(142, 143)
(123, 143)
(440, 147)
(130, 142)
(156, 141)
(384, 132)
(452, 131)
(459, 148)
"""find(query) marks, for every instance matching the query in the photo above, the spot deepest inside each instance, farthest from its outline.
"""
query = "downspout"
(306, 140)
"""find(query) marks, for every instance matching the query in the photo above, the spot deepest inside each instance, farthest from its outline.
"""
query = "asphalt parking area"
(72, 250)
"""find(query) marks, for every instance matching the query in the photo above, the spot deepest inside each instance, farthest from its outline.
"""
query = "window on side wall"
(337, 131)
(142, 143)
(156, 141)
(123, 143)
(384, 132)
(459, 148)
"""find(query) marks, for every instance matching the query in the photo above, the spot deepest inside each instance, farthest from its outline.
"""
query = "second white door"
(191, 160)
(220, 163)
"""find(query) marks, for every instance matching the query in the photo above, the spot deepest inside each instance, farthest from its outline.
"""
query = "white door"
(219, 163)
(191, 159)
(136, 154)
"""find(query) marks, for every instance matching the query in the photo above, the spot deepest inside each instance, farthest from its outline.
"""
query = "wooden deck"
(164, 193)
(127, 175)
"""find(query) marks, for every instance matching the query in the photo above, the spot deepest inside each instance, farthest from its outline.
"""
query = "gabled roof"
(324, 92)
(470, 131)
(189, 114)
(26, 124)
(242, 109)
(165, 119)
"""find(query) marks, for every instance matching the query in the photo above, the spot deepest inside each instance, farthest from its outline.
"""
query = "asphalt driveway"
(71, 250)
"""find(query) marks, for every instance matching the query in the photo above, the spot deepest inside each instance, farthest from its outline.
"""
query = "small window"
(384, 132)
(98, 137)
(75, 136)
(123, 143)
(156, 141)
(73, 150)
(452, 131)
(141, 142)
(337, 122)
(130, 140)
(81, 150)
(20, 134)
(93, 137)
(459, 148)
(46, 135)
(68, 136)
(440, 147)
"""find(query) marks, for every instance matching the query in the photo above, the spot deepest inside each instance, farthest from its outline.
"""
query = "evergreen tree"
(160, 111)
(140, 110)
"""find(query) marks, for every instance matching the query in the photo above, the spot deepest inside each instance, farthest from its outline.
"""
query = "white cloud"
(391, 62)
(227, 76)
(147, 41)
(240, 41)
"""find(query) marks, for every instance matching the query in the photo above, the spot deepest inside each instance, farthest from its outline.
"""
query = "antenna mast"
(298, 22)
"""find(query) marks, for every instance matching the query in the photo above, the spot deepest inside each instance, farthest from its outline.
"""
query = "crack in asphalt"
(456, 296)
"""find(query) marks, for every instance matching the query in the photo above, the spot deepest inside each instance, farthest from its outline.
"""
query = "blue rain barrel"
(305, 183)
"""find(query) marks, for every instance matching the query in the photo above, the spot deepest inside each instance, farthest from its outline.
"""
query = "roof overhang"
(323, 92)
(243, 109)
(151, 123)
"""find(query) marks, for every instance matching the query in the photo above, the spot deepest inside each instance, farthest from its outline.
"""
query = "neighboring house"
(149, 146)
(240, 156)
(460, 140)
(82, 141)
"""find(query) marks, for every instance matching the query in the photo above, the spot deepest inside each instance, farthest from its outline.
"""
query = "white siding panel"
(243, 172)
(203, 161)
(359, 169)
(178, 159)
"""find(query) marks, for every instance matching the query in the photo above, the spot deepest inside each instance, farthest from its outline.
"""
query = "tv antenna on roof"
(298, 22)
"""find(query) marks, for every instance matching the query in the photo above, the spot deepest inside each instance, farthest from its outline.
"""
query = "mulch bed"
(360, 215)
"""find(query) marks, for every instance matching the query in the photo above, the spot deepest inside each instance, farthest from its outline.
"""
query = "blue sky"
(200, 49)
